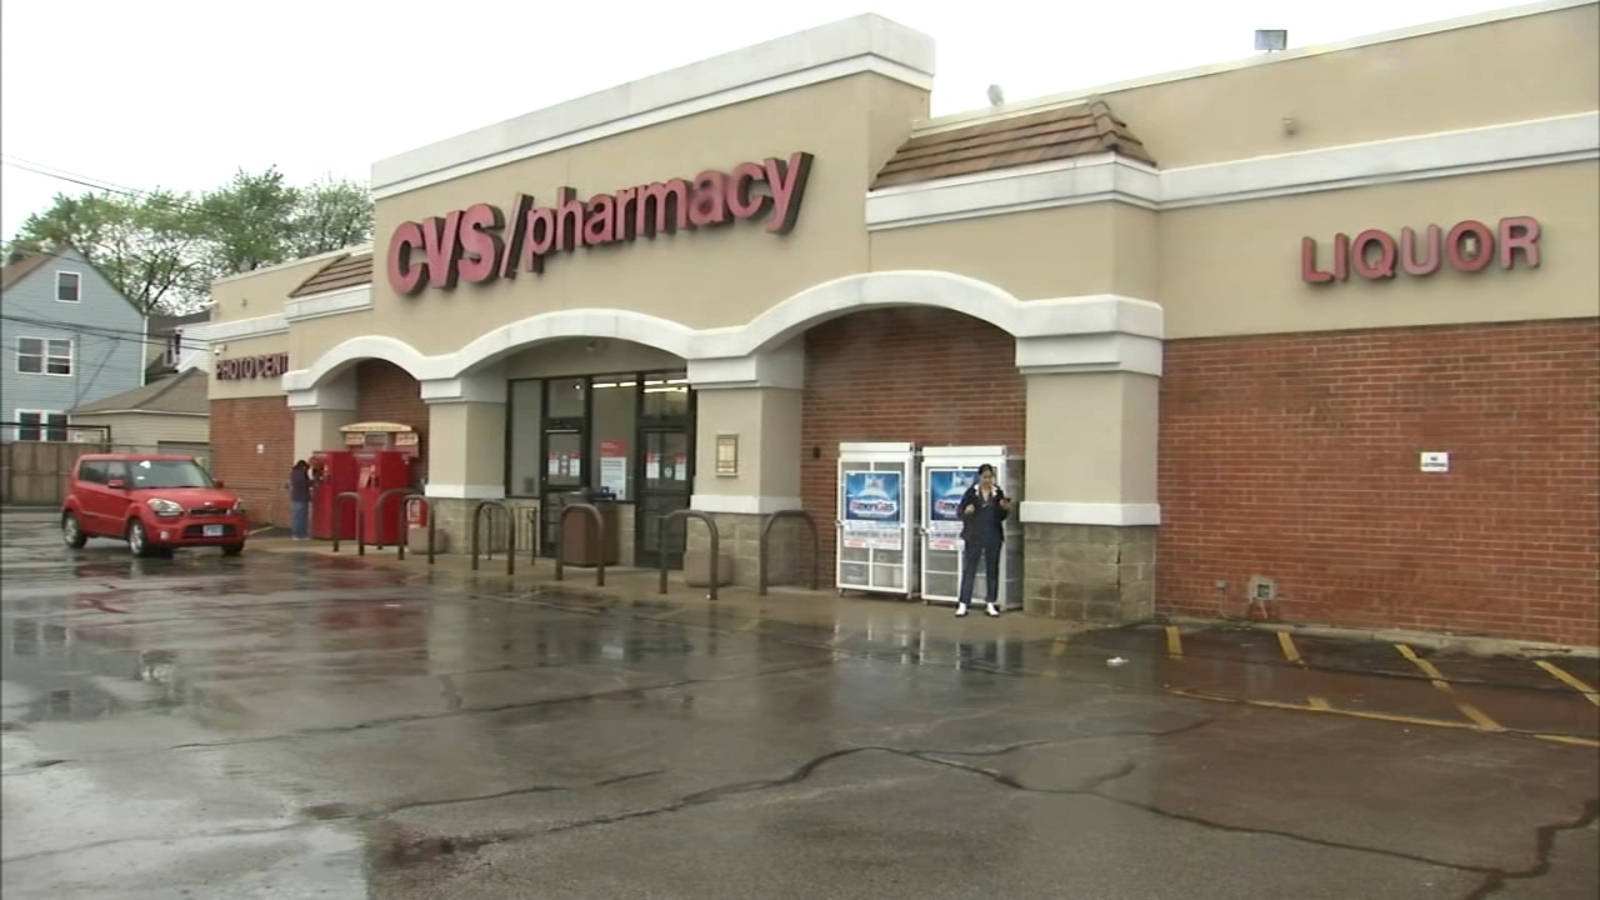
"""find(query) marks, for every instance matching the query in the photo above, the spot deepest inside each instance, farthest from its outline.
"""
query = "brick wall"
(387, 393)
(1296, 457)
(906, 374)
(237, 428)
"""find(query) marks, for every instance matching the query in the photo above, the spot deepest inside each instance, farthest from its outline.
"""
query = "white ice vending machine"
(875, 550)
(947, 472)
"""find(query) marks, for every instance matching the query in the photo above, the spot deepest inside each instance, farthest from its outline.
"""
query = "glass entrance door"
(668, 481)
(565, 437)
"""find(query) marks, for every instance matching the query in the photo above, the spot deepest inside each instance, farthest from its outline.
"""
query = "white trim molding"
(746, 504)
(865, 43)
(238, 329)
(1107, 177)
(1090, 513)
(328, 303)
(478, 387)
(465, 491)
(1094, 333)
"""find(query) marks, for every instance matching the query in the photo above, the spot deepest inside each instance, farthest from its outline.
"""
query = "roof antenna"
(997, 97)
(1271, 39)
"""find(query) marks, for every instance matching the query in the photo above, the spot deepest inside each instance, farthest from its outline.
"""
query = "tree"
(247, 222)
(331, 214)
(145, 246)
(163, 249)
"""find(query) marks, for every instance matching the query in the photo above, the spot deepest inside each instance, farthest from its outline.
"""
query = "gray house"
(69, 338)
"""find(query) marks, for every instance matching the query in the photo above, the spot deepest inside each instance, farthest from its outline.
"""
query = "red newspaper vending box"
(379, 471)
(332, 473)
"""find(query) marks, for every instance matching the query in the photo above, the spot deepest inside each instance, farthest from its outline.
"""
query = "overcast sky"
(180, 94)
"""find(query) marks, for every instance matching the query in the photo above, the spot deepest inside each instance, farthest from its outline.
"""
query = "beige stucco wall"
(1515, 69)
(1092, 438)
(767, 423)
(261, 292)
(150, 428)
(1235, 268)
(318, 429)
(574, 357)
(701, 278)
(467, 444)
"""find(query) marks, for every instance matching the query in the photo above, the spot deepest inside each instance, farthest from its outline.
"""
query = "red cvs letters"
(1469, 246)
(482, 243)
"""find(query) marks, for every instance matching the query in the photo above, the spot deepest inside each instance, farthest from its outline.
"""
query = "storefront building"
(1313, 335)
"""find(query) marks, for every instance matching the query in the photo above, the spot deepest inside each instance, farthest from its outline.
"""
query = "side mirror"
(218, 483)
(117, 484)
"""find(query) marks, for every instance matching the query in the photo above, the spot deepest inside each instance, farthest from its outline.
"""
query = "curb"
(1443, 642)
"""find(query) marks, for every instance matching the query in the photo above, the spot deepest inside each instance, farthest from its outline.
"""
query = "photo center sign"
(483, 243)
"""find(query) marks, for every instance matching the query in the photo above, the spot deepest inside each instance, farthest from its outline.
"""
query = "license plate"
(213, 531)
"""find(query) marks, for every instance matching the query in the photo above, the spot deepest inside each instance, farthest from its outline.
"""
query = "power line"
(110, 334)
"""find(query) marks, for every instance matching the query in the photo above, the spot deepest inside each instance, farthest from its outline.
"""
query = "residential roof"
(1081, 129)
(184, 393)
(15, 272)
(160, 323)
(348, 271)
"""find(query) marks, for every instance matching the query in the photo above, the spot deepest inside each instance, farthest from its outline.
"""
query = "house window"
(40, 356)
(69, 287)
(41, 425)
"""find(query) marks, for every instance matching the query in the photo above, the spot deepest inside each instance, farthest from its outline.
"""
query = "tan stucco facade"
(1090, 263)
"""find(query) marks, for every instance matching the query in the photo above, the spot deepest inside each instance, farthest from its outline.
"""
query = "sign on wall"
(1469, 246)
(270, 365)
(483, 243)
(946, 487)
(873, 504)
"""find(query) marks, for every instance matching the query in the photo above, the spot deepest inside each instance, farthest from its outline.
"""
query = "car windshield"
(167, 473)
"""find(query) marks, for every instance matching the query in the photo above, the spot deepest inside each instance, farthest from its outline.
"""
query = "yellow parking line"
(1478, 717)
(1174, 642)
(1576, 683)
(748, 625)
(1060, 646)
(1320, 704)
(1290, 651)
(1568, 739)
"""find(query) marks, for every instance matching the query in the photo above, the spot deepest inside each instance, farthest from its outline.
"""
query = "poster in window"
(873, 506)
(652, 466)
(614, 468)
(555, 463)
(946, 487)
(680, 468)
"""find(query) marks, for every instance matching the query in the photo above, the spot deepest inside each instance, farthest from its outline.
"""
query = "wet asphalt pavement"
(286, 724)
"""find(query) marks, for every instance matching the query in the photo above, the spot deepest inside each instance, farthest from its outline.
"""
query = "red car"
(154, 502)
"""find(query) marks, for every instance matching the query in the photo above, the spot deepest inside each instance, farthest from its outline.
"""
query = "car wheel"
(232, 549)
(138, 540)
(72, 532)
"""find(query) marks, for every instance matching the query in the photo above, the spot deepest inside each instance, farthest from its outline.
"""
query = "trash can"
(578, 546)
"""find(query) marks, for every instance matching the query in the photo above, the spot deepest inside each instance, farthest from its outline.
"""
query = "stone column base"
(788, 555)
(1089, 573)
(454, 525)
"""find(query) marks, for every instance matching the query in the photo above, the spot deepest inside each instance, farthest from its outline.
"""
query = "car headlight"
(237, 508)
(166, 509)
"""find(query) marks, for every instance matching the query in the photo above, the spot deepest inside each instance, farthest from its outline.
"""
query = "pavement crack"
(1544, 845)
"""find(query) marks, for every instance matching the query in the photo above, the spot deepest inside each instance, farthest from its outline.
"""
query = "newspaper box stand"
(947, 472)
(875, 548)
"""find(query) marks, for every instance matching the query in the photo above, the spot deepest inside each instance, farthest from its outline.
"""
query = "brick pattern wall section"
(930, 376)
(1296, 457)
(237, 427)
(387, 393)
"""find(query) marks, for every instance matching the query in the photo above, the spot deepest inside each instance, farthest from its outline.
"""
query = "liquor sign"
(1469, 246)
(270, 365)
(483, 242)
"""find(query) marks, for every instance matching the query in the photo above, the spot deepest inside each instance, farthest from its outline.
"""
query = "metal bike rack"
(661, 540)
(766, 528)
(377, 514)
(361, 546)
(432, 522)
(599, 539)
(533, 517)
(511, 536)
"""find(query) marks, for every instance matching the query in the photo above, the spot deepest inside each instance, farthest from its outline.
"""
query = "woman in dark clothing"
(300, 501)
(983, 511)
